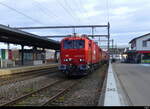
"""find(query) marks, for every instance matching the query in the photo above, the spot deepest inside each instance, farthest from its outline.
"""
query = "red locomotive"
(80, 55)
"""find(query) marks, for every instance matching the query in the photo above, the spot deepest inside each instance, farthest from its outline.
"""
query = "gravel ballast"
(86, 93)
(13, 90)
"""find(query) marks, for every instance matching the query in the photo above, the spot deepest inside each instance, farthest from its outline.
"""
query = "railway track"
(44, 95)
(57, 95)
(6, 79)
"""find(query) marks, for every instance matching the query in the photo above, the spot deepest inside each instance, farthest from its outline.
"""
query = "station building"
(40, 50)
(139, 49)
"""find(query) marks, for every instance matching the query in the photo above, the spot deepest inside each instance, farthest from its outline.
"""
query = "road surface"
(135, 79)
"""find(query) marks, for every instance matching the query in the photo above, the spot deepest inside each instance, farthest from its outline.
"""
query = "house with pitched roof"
(140, 47)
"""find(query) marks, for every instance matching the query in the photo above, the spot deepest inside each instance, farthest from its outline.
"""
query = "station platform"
(112, 93)
(9, 71)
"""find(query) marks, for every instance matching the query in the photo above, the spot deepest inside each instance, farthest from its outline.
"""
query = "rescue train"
(80, 55)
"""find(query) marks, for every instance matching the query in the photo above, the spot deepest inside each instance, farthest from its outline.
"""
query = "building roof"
(15, 36)
(139, 37)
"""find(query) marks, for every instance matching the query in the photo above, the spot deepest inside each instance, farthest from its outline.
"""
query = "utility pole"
(99, 41)
(116, 50)
(22, 55)
(108, 37)
(74, 31)
(112, 48)
(92, 32)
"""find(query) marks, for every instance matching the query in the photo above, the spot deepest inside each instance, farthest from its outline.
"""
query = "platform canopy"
(15, 36)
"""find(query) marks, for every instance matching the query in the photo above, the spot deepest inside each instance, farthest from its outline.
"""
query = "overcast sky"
(128, 18)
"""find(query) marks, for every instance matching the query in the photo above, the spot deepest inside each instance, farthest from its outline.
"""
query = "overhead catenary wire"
(67, 11)
(49, 13)
(21, 13)
(81, 3)
(78, 7)
(107, 6)
(71, 9)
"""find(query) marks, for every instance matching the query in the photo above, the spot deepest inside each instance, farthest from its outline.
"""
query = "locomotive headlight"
(81, 60)
(66, 60)
(70, 59)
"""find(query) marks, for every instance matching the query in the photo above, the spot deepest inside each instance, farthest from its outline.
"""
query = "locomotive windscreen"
(73, 44)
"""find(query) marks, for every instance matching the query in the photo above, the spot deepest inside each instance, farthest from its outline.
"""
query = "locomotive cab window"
(78, 44)
(73, 44)
(68, 44)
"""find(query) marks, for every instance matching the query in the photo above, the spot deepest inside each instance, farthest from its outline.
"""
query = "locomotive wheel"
(68, 76)
(91, 69)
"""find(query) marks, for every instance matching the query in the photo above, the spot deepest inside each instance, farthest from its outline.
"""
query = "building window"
(133, 44)
(145, 43)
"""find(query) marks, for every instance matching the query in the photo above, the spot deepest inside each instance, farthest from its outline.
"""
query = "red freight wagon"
(105, 56)
(79, 55)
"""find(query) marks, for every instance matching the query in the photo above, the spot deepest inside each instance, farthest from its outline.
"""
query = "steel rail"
(60, 93)
(14, 101)
(27, 76)
(26, 73)
(20, 73)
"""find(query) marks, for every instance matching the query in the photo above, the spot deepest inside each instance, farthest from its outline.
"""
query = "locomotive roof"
(75, 37)
(78, 38)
